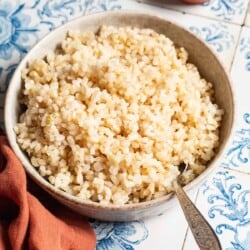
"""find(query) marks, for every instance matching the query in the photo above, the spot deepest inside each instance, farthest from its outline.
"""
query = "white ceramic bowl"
(199, 53)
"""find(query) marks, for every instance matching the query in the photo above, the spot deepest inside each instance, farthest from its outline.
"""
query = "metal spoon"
(203, 233)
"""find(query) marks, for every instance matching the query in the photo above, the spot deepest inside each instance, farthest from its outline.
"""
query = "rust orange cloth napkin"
(26, 223)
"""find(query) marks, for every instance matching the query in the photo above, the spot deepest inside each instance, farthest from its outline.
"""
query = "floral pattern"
(15, 31)
(230, 201)
(54, 13)
(104, 5)
(19, 32)
(216, 35)
(226, 9)
(244, 47)
(239, 153)
(119, 235)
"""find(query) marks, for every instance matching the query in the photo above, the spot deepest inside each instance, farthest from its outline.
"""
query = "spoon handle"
(202, 231)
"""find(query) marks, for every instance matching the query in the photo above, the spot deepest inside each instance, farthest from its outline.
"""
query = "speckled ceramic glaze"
(200, 54)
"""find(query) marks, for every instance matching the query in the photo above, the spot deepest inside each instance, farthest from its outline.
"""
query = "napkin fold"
(26, 223)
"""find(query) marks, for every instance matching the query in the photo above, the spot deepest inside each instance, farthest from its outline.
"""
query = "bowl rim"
(41, 181)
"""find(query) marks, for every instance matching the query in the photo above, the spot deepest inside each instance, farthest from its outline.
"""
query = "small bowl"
(199, 54)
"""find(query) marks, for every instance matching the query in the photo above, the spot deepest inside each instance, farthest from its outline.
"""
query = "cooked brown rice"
(110, 116)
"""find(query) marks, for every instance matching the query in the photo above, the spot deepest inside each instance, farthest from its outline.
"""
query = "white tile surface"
(239, 152)
(172, 224)
(227, 10)
(247, 18)
(223, 201)
(221, 37)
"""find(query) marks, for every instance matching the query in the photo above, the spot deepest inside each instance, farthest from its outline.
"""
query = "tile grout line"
(213, 19)
(188, 229)
(185, 238)
(246, 14)
(235, 170)
(235, 49)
